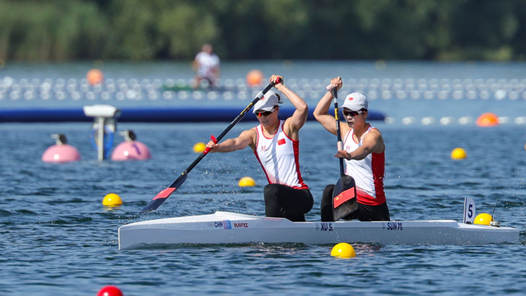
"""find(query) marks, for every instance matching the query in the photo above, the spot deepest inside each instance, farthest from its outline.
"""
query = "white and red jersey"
(368, 173)
(279, 158)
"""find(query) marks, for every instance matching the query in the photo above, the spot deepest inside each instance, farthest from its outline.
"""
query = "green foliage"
(57, 30)
(185, 28)
(49, 30)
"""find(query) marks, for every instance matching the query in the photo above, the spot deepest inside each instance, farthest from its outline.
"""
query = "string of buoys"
(485, 120)
(96, 87)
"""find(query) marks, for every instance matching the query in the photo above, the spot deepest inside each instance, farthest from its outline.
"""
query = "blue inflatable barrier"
(142, 114)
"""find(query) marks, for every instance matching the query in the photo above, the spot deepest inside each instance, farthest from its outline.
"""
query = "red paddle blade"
(343, 197)
(163, 195)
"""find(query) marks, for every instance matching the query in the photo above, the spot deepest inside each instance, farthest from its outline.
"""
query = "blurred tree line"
(56, 30)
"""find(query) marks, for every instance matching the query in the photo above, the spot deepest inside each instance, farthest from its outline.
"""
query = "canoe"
(234, 228)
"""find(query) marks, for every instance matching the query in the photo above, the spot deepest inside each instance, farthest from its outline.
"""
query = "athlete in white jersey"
(275, 143)
(363, 152)
(206, 66)
(279, 157)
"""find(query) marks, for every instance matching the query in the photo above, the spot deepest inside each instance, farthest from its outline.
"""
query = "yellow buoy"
(199, 147)
(343, 250)
(254, 78)
(483, 219)
(112, 200)
(246, 182)
(458, 153)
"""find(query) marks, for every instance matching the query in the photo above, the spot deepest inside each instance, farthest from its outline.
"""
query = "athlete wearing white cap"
(363, 153)
(275, 143)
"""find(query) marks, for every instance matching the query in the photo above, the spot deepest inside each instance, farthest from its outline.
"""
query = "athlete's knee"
(328, 190)
(326, 204)
(271, 190)
(327, 194)
(273, 207)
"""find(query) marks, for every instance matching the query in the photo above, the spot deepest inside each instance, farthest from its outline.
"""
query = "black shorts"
(287, 202)
(363, 213)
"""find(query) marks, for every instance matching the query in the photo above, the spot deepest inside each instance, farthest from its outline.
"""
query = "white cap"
(268, 102)
(355, 101)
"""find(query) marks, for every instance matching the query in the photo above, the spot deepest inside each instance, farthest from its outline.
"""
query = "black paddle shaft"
(334, 92)
(229, 127)
(164, 194)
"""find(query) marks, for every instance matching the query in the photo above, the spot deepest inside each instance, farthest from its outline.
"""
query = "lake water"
(57, 239)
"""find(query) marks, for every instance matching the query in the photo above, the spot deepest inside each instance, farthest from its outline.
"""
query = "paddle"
(165, 193)
(344, 193)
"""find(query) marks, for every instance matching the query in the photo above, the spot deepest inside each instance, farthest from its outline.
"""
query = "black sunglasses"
(353, 113)
(264, 113)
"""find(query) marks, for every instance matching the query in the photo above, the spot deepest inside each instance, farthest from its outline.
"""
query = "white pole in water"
(104, 115)
(100, 138)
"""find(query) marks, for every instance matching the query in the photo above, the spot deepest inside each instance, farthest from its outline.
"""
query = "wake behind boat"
(233, 228)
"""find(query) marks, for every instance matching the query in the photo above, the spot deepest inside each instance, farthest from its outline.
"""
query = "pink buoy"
(130, 149)
(60, 152)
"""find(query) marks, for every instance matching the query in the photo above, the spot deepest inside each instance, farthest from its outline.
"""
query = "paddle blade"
(344, 198)
(164, 194)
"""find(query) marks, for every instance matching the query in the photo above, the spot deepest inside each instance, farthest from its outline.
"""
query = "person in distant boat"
(363, 153)
(275, 143)
(206, 66)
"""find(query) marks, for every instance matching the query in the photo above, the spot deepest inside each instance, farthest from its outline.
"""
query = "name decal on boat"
(241, 225)
(325, 226)
(223, 224)
(393, 226)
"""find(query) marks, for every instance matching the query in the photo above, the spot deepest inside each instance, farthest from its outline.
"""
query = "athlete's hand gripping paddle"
(165, 193)
(344, 193)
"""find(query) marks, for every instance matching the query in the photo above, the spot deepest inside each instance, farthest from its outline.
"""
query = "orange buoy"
(488, 119)
(254, 78)
(94, 76)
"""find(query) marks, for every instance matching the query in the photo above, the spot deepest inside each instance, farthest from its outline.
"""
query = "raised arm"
(321, 112)
(294, 123)
(246, 138)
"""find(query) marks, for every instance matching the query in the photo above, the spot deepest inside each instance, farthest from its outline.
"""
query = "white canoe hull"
(232, 228)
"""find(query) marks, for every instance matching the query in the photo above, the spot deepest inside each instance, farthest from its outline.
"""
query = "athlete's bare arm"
(372, 142)
(246, 138)
(321, 112)
(294, 123)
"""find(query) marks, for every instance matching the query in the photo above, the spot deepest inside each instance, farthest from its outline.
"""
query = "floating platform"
(149, 114)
